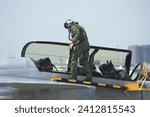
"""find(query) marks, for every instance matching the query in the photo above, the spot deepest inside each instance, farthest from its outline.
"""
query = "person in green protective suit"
(79, 49)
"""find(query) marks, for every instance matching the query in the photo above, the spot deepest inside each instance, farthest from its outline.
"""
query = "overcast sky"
(109, 23)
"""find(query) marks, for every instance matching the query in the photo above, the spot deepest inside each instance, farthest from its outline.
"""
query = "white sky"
(109, 23)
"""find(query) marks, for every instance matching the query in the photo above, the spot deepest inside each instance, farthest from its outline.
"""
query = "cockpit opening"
(104, 62)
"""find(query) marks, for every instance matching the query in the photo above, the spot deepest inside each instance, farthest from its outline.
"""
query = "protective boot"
(73, 77)
(88, 79)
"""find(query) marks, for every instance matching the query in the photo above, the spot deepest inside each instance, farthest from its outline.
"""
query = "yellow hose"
(144, 75)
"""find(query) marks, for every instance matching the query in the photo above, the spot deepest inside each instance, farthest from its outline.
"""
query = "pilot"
(79, 49)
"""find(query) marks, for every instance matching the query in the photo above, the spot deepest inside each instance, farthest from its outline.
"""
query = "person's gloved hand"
(71, 46)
